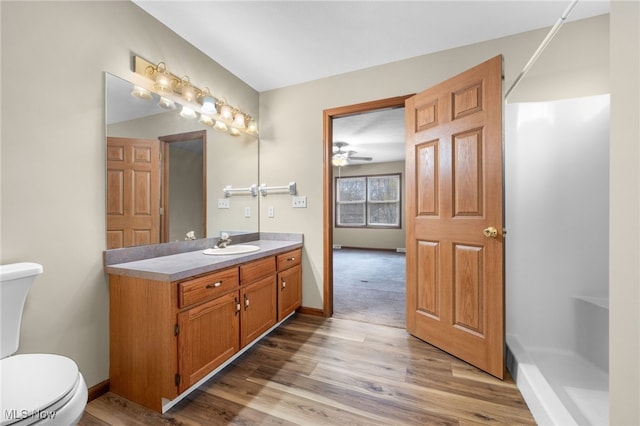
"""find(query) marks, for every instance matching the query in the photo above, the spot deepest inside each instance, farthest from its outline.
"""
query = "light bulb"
(166, 103)
(252, 127)
(209, 105)
(187, 113)
(238, 120)
(220, 126)
(206, 120)
(226, 112)
(141, 92)
(188, 93)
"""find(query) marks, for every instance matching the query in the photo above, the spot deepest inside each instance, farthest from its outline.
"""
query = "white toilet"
(42, 389)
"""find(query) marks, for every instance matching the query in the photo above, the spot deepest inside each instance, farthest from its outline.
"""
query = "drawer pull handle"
(284, 284)
(291, 259)
(246, 302)
(214, 285)
(237, 305)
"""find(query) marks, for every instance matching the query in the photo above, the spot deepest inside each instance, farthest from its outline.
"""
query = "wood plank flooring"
(328, 371)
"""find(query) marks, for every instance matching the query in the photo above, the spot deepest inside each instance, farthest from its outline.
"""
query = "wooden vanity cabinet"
(258, 299)
(166, 336)
(289, 282)
(209, 335)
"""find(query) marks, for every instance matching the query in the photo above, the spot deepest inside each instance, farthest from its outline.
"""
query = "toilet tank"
(15, 282)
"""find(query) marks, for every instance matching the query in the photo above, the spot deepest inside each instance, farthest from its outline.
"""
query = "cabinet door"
(258, 309)
(209, 335)
(289, 291)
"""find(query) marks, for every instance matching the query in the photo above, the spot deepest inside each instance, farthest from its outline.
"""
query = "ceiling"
(274, 44)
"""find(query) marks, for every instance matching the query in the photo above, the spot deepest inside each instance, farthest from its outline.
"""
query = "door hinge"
(176, 330)
(177, 379)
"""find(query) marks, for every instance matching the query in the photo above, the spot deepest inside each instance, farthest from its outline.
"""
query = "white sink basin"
(237, 249)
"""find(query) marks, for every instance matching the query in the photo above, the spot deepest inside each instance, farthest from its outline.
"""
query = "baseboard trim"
(366, 248)
(311, 311)
(98, 390)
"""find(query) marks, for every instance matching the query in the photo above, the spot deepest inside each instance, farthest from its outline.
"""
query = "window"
(368, 201)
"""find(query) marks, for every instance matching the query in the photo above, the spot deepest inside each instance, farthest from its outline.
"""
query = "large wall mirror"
(166, 174)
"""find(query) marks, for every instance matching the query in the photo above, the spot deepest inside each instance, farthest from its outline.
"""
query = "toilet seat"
(35, 387)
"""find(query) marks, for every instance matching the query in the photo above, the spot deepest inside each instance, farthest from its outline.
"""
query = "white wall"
(54, 55)
(390, 239)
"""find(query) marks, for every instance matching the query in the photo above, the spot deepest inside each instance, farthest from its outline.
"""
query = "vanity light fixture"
(252, 126)
(166, 103)
(141, 92)
(163, 80)
(226, 112)
(187, 112)
(208, 102)
(220, 126)
(187, 90)
(206, 120)
(174, 90)
(238, 120)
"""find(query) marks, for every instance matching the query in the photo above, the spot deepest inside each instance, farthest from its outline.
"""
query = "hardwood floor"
(319, 371)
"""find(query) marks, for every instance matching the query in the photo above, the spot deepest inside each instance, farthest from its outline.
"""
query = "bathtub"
(563, 387)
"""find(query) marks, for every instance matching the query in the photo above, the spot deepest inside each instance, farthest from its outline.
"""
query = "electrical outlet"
(247, 212)
(271, 212)
(223, 203)
(299, 202)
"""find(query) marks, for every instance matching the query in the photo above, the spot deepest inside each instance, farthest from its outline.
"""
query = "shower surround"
(557, 257)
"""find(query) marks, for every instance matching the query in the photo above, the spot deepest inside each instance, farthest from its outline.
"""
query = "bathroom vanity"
(177, 319)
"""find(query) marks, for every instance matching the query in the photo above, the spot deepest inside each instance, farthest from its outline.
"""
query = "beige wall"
(624, 216)
(370, 237)
(53, 153)
(575, 64)
(54, 56)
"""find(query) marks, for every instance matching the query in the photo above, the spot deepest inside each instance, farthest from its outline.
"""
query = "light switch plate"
(299, 202)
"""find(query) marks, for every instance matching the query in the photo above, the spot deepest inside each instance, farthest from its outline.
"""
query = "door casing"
(327, 214)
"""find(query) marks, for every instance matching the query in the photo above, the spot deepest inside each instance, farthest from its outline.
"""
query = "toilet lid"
(33, 382)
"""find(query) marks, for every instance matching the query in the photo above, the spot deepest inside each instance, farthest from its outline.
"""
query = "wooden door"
(209, 335)
(133, 192)
(455, 284)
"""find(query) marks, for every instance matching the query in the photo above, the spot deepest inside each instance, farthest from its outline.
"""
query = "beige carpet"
(369, 286)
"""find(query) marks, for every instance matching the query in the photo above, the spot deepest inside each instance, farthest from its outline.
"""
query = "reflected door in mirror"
(133, 192)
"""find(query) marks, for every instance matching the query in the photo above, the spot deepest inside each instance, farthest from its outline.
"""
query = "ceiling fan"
(342, 158)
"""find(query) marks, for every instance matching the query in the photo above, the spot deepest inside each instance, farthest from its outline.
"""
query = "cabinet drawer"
(207, 287)
(289, 259)
(257, 269)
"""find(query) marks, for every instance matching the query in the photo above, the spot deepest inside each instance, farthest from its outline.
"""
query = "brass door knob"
(490, 232)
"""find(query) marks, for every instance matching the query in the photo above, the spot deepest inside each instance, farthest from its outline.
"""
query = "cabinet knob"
(214, 285)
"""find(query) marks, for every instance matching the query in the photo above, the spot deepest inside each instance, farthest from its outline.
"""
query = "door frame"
(327, 182)
(164, 192)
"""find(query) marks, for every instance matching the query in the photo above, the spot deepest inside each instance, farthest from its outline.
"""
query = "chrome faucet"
(223, 241)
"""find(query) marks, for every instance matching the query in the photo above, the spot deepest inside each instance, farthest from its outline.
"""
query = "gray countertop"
(188, 264)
